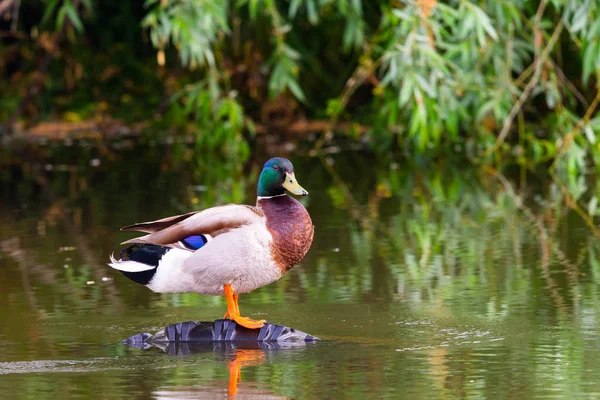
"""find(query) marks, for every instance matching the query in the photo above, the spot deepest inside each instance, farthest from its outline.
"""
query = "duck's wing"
(159, 224)
(212, 222)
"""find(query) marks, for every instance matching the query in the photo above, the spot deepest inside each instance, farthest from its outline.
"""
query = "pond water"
(424, 281)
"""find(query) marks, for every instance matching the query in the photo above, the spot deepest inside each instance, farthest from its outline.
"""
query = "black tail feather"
(148, 254)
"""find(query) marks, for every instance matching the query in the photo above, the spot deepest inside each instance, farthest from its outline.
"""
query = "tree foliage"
(490, 78)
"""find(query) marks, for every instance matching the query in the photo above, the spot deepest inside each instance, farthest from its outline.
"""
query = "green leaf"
(357, 6)
(593, 206)
(580, 19)
(415, 123)
(468, 23)
(73, 16)
(589, 133)
(452, 124)
(296, 90)
(60, 17)
(403, 15)
(406, 91)
(485, 109)
(426, 86)
(87, 4)
(311, 9)
(253, 7)
(392, 116)
(485, 22)
(49, 10)
(149, 3)
(294, 6)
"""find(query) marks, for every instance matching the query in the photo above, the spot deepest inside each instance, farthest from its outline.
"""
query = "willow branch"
(539, 62)
(570, 84)
(360, 74)
(582, 122)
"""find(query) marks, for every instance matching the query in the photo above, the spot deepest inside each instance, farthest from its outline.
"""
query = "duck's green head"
(277, 176)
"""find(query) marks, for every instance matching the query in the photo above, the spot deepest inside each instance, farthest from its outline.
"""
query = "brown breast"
(291, 228)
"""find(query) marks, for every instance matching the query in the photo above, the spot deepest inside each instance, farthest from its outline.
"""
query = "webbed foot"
(233, 311)
(248, 322)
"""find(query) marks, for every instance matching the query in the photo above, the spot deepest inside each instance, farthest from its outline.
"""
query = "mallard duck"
(224, 250)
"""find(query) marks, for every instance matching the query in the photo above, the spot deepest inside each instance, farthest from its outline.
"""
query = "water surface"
(422, 282)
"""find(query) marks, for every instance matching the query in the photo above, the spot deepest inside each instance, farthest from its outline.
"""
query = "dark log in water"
(221, 330)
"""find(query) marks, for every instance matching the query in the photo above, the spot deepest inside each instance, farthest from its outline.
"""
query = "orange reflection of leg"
(243, 357)
(235, 376)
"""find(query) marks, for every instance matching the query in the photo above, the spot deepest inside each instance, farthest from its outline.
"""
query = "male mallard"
(225, 250)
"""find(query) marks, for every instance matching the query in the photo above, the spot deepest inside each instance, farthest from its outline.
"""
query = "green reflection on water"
(424, 283)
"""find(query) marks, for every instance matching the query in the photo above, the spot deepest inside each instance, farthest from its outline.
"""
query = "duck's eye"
(275, 167)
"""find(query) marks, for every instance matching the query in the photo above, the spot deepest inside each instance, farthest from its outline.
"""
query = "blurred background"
(450, 149)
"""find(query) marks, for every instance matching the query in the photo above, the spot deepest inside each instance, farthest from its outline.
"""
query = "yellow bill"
(291, 184)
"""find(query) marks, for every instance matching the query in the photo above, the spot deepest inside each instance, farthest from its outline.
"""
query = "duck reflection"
(236, 355)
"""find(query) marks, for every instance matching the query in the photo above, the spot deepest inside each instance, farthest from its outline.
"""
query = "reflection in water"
(236, 355)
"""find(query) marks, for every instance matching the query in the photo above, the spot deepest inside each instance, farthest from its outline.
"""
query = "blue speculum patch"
(194, 242)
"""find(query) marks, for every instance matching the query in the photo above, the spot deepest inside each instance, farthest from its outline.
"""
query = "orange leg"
(236, 307)
(235, 301)
(233, 311)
